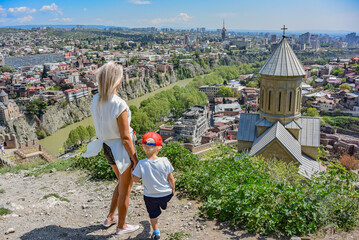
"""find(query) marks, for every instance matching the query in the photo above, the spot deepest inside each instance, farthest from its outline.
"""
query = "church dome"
(283, 62)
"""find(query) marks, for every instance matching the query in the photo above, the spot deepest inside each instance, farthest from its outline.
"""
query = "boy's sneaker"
(154, 236)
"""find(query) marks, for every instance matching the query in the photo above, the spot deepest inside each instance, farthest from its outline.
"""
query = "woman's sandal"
(128, 229)
(108, 223)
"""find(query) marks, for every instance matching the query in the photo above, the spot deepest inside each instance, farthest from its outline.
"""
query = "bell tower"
(281, 91)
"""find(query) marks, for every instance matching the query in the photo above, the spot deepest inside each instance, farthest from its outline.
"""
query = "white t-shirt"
(105, 121)
(154, 174)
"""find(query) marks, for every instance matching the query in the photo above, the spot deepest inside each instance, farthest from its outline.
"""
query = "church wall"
(311, 152)
(260, 130)
(281, 96)
(244, 145)
(277, 151)
(294, 132)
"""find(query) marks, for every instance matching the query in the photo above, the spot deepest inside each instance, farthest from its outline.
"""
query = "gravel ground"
(68, 205)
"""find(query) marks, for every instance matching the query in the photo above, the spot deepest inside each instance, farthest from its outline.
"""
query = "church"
(278, 130)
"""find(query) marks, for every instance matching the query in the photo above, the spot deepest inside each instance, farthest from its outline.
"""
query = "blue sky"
(301, 15)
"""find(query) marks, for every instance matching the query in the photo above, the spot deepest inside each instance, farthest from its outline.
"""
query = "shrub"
(349, 162)
(259, 195)
(97, 166)
(41, 134)
(181, 159)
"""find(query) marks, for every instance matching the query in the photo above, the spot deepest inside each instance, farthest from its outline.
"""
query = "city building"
(278, 131)
(8, 108)
(192, 124)
(210, 90)
(75, 93)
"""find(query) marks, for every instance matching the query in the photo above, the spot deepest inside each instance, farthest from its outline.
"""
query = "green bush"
(97, 166)
(41, 134)
(263, 197)
(181, 159)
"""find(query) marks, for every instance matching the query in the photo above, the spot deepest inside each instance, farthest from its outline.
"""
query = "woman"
(112, 118)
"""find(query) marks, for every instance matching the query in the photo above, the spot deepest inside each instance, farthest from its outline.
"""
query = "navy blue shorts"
(154, 205)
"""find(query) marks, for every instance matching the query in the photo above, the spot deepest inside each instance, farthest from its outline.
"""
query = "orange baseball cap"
(152, 138)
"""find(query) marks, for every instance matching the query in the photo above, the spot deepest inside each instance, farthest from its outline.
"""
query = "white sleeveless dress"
(105, 121)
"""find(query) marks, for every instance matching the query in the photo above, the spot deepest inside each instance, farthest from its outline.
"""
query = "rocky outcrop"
(135, 87)
(65, 113)
(24, 129)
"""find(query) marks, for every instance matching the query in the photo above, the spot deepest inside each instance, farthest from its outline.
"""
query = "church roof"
(3, 94)
(310, 133)
(247, 130)
(308, 167)
(263, 122)
(293, 125)
(283, 62)
(277, 131)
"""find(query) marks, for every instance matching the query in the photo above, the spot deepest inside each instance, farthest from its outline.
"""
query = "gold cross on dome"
(284, 28)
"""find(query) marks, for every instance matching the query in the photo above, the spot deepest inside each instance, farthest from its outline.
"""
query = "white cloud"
(2, 11)
(99, 19)
(182, 17)
(62, 19)
(140, 2)
(22, 10)
(53, 8)
(85, 9)
(27, 18)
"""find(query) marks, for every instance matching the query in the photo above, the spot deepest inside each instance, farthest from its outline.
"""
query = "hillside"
(83, 204)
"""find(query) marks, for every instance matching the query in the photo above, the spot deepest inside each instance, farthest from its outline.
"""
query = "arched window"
(279, 100)
(298, 100)
(269, 99)
(290, 101)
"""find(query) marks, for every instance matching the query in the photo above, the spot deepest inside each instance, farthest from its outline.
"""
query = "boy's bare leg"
(115, 196)
(154, 223)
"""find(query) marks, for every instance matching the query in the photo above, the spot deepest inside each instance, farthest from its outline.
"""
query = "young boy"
(157, 178)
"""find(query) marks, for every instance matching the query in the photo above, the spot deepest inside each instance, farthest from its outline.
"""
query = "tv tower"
(224, 30)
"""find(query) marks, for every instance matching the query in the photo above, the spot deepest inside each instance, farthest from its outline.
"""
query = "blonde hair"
(150, 150)
(109, 76)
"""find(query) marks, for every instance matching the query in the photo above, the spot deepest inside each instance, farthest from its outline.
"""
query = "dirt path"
(67, 205)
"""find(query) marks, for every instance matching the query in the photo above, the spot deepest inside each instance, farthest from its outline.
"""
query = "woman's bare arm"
(122, 123)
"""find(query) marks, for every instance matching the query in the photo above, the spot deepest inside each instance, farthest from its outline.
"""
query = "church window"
(279, 100)
(269, 99)
(290, 101)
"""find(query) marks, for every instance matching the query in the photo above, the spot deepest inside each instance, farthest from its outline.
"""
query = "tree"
(83, 134)
(329, 87)
(141, 123)
(36, 107)
(44, 73)
(177, 108)
(252, 84)
(91, 131)
(6, 68)
(345, 86)
(225, 91)
(74, 137)
(312, 112)
(337, 71)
